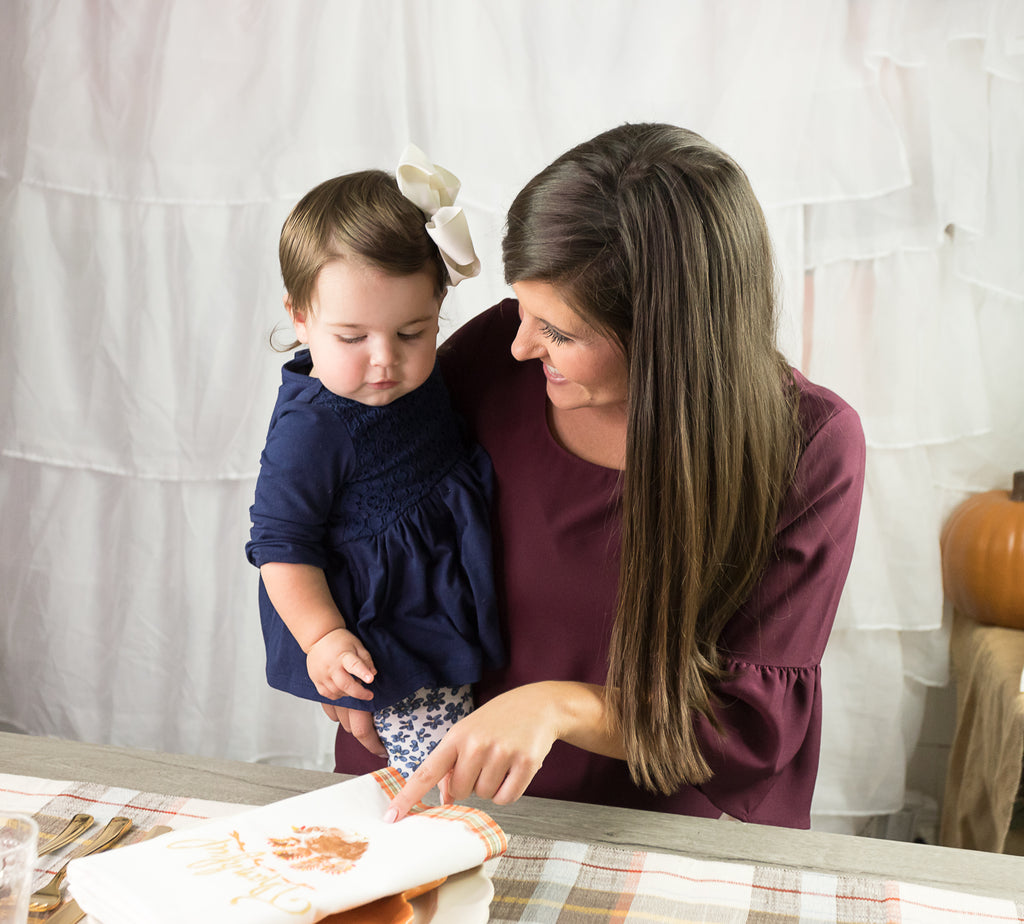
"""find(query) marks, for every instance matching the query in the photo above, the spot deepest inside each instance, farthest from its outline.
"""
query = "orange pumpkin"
(983, 556)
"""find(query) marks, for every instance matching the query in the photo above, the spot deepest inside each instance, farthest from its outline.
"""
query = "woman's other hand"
(359, 725)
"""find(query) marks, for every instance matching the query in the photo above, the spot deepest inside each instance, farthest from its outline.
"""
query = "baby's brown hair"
(361, 214)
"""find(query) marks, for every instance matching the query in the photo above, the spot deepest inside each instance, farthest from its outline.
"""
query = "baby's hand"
(337, 663)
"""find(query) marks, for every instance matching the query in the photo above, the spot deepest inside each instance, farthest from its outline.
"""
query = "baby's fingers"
(340, 683)
(359, 665)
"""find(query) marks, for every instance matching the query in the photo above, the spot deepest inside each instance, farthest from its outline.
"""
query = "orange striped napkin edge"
(479, 823)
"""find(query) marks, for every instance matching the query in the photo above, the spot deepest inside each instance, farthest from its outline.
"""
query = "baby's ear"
(298, 319)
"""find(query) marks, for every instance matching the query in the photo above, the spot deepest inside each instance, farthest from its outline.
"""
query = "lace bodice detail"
(402, 451)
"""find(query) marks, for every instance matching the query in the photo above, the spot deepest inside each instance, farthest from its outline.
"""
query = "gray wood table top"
(256, 784)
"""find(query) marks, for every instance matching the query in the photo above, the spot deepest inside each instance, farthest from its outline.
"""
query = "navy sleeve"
(307, 459)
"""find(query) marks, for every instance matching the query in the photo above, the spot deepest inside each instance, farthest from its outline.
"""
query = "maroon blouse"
(557, 548)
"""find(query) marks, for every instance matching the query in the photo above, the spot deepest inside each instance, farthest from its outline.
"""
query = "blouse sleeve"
(765, 762)
(306, 460)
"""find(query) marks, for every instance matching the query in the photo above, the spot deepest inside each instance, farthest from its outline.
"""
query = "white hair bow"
(433, 190)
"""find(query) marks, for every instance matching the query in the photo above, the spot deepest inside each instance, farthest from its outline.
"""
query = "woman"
(676, 508)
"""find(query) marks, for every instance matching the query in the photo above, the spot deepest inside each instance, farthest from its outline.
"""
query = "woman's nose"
(527, 344)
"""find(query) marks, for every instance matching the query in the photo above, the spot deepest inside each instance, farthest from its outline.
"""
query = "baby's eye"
(555, 336)
(412, 335)
(351, 339)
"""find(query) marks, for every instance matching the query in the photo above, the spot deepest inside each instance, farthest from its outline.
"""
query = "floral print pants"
(412, 727)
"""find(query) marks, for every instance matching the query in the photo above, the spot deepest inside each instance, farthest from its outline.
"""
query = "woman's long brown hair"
(655, 237)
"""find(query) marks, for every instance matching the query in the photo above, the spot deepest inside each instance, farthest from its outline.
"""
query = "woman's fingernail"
(391, 815)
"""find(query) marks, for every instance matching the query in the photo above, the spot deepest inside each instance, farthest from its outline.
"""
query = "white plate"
(464, 898)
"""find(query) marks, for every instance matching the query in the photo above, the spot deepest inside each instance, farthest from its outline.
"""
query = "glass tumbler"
(19, 837)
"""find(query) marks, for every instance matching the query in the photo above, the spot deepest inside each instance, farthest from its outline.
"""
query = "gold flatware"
(48, 896)
(70, 912)
(77, 826)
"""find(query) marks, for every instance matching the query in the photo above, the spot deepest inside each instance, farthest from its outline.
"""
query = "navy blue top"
(392, 503)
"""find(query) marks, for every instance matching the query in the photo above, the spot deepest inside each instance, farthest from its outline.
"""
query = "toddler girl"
(370, 524)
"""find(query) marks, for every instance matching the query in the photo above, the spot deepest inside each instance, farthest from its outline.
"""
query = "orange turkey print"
(324, 850)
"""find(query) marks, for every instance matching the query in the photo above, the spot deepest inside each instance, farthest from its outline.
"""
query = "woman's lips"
(553, 375)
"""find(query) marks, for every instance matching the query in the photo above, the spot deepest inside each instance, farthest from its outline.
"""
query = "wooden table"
(229, 781)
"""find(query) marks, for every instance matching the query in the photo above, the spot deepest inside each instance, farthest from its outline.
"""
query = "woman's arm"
(497, 749)
(334, 656)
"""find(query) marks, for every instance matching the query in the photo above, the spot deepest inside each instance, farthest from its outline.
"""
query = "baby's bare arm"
(334, 656)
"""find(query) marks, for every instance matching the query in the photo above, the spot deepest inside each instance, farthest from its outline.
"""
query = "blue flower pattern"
(412, 727)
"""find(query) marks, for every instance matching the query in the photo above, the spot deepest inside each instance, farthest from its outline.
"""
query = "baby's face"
(372, 337)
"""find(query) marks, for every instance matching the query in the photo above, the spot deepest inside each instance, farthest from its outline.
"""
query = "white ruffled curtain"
(150, 149)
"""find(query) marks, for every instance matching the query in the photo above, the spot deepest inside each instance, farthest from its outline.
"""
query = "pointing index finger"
(429, 773)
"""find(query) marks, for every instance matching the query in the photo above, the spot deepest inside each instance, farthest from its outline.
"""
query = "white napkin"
(297, 860)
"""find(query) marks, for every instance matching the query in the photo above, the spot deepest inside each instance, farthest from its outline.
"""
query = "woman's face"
(583, 367)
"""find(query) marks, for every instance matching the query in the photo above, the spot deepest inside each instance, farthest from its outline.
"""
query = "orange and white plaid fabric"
(540, 880)
(481, 824)
(571, 883)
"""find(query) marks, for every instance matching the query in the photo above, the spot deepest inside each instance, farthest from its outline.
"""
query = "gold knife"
(70, 912)
(78, 825)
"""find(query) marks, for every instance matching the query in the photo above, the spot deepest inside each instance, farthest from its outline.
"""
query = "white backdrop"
(150, 149)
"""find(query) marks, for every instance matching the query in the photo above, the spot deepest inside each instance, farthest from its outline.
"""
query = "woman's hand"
(496, 750)
(337, 662)
(359, 724)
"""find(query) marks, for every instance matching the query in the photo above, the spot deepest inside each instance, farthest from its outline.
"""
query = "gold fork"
(78, 825)
(48, 896)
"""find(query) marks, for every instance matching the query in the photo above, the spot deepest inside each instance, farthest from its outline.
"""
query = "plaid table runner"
(544, 881)
(541, 881)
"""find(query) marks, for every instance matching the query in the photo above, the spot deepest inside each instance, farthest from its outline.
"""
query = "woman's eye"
(555, 336)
